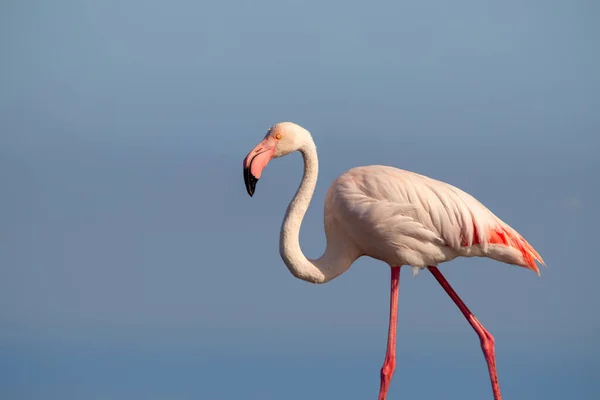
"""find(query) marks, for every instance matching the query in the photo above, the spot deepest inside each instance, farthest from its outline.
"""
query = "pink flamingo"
(392, 215)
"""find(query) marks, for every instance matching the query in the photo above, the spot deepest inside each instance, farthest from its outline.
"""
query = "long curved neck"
(334, 261)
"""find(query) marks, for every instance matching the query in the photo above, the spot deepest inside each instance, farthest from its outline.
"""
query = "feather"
(405, 218)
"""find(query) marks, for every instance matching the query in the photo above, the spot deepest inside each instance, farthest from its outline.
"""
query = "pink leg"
(390, 355)
(486, 338)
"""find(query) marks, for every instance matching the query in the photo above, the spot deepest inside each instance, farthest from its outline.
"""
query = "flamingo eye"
(278, 136)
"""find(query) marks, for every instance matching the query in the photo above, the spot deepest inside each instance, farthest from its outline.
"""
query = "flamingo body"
(404, 218)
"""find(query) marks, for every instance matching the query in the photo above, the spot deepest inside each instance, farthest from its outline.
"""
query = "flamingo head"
(281, 139)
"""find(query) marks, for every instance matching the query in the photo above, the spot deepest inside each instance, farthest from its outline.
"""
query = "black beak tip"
(250, 181)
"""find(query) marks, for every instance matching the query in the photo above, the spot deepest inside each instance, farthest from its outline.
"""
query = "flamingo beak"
(250, 181)
(256, 161)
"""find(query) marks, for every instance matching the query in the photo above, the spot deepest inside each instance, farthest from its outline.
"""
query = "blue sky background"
(134, 265)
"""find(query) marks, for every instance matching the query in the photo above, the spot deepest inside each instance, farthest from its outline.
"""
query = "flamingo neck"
(333, 261)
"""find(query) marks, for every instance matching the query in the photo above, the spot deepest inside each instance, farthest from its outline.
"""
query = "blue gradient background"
(134, 265)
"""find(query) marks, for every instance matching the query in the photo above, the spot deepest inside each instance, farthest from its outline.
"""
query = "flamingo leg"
(486, 338)
(389, 365)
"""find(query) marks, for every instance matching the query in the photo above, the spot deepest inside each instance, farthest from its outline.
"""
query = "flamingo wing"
(406, 218)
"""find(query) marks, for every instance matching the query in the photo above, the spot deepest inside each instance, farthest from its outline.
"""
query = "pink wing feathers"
(405, 218)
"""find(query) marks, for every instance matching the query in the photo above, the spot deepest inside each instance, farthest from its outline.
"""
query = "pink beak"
(256, 161)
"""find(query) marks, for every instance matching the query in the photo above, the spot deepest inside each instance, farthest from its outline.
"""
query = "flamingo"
(399, 217)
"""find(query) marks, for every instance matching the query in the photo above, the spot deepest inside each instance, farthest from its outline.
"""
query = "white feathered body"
(404, 218)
